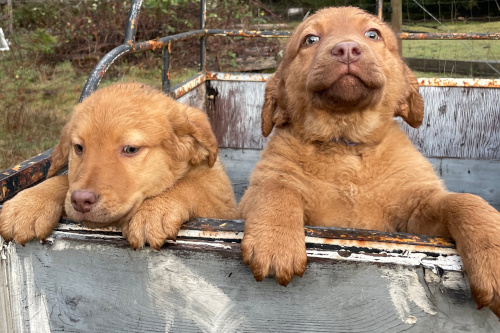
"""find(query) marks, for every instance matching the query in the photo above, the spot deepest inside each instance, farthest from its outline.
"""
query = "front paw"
(281, 253)
(30, 214)
(154, 223)
(483, 270)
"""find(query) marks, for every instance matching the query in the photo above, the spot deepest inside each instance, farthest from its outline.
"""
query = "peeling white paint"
(450, 263)
(28, 304)
(178, 291)
(405, 287)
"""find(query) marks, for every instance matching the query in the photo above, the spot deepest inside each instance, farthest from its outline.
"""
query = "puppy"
(137, 160)
(338, 159)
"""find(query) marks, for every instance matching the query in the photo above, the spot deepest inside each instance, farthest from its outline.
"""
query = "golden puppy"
(338, 159)
(138, 160)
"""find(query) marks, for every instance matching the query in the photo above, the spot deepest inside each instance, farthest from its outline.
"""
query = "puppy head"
(125, 143)
(339, 64)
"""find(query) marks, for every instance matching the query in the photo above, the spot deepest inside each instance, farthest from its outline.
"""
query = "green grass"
(35, 101)
(467, 50)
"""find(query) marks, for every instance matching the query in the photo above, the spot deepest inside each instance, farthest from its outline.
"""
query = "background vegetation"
(55, 44)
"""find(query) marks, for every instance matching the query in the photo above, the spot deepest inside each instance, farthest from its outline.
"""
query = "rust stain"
(475, 83)
(187, 87)
(211, 76)
(449, 36)
(155, 44)
(131, 43)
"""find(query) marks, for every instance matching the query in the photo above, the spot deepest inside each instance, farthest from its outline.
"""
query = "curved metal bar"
(448, 36)
(203, 40)
(101, 68)
(248, 33)
(131, 27)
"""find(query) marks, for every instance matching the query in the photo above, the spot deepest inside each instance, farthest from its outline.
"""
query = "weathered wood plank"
(195, 98)
(234, 113)
(459, 122)
(480, 177)
(5, 309)
(104, 286)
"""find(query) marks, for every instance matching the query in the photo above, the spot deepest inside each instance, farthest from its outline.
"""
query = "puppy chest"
(350, 198)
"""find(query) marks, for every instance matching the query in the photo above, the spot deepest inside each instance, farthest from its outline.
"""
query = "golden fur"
(138, 160)
(338, 159)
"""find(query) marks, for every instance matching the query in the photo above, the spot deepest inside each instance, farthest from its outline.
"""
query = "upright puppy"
(338, 159)
(138, 160)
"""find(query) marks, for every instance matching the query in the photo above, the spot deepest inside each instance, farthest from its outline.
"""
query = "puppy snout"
(347, 52)
(83, 201)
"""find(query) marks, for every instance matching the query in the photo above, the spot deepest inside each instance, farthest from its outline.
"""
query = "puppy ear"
(195, 134)
(59, 156)
(272, 111)
(411, 104)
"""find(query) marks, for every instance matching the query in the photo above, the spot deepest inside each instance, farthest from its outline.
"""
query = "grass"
(35, 101)
(467, 50)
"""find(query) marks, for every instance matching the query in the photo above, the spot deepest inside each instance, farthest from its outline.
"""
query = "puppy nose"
(347, 52)
(83, 201)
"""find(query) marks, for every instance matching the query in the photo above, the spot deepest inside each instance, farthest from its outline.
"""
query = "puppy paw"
(280, 253)
(154, 222)
(483, 270)
(30, 214)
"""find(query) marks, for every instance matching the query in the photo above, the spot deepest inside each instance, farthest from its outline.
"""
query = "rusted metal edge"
(225, 76)
(23, 175)
(449, 82)
(449, 36)
(232, 230)
(184, 87)
(325, 243)
(424, 82)
(131, 27)
(248, 33)
(101, 68)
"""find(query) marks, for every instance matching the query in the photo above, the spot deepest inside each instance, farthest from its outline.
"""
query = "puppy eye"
(311, 39)
(130, 150)
(78, 149)
(373, 34)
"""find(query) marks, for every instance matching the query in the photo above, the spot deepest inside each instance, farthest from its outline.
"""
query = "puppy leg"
(475, 227)
(35, 211)
(274, 240)
(159, 218)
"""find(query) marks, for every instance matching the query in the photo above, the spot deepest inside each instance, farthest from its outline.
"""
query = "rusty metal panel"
(24, 175)
(234, 109)
(196, 285)
(459, 122)
(195, 97)
(462, 121)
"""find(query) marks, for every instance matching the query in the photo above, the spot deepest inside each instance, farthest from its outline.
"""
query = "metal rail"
(165, 43)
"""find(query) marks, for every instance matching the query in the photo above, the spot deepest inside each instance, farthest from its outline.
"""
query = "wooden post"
(397, 19)
(9, 17)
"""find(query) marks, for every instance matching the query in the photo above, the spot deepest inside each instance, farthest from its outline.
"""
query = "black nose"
(347, 52)
(83, 201)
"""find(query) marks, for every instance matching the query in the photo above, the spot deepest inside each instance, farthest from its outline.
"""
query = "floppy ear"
(59, 156)
(195, 133)
(411, 104)
(273, 112)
